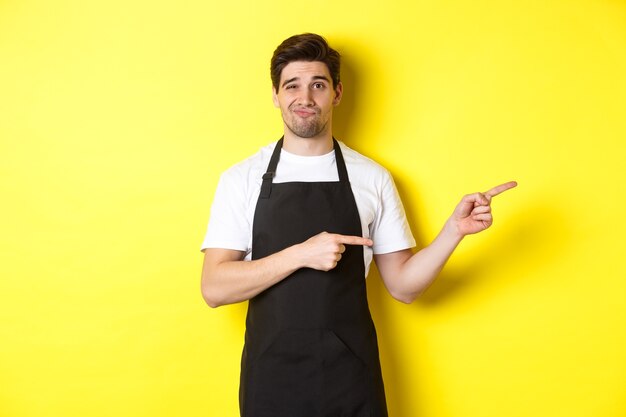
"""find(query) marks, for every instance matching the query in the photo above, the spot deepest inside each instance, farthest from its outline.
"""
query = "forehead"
(304, 70)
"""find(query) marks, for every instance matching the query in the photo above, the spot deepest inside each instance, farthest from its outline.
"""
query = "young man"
(294, 229)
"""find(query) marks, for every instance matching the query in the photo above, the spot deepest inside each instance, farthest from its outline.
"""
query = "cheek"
(325, 97)
(289, 101)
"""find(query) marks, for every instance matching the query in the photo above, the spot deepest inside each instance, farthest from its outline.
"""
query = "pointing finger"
(354, 240)
(501, 188)
(476, 199)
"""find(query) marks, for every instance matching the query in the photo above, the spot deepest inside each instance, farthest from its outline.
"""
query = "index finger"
(501, 188)
(354, 240)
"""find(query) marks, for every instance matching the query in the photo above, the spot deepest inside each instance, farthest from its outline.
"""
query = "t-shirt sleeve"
(390, 229)
(228, 226)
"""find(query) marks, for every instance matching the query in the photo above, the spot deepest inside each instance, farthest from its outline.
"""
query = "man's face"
(306, 98)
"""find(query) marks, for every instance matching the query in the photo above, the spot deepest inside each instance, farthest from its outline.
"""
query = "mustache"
(295, 107)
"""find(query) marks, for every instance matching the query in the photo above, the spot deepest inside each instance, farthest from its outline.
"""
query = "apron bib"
(310, 346)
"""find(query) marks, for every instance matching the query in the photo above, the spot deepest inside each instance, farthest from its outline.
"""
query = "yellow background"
(117, 117)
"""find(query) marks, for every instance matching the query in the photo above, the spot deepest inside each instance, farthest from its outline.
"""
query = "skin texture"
(306, 100)
(306, 105)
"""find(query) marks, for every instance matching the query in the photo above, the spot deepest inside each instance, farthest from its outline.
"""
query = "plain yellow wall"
(117, 117)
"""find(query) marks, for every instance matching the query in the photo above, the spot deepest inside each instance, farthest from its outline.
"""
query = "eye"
(290, 87)
(318, 85)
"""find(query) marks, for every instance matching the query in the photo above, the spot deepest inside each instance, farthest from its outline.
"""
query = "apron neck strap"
(341, 165)
(266, 187)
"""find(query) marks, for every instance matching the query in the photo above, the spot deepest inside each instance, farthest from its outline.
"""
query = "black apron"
(311, 348)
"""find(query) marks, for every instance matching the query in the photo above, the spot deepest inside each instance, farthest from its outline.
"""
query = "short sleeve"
(390, 229)
(228, 227)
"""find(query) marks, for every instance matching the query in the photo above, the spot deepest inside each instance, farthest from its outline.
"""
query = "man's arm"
(407, 275)
(227, 278)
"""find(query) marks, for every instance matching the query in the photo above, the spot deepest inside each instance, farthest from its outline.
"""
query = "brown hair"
(304, 47)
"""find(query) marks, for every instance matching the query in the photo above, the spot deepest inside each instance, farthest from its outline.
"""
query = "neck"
(315, 146)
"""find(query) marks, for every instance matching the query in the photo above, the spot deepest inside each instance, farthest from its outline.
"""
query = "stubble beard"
(305, 128)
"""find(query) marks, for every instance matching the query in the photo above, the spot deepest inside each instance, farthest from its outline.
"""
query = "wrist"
(451, 231)
(293, 257)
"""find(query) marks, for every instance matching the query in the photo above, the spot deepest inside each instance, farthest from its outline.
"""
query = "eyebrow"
(315, 77)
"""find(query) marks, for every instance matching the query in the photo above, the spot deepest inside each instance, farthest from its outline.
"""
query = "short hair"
(304, 47)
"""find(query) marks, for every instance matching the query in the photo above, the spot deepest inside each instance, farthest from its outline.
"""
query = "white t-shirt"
(382, 215)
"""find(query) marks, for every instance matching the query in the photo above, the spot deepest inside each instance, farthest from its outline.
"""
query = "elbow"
(406, 297)
(406, 294)
(210, 294)
(211, 300)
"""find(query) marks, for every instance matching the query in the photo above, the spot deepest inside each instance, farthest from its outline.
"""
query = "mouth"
(305, 113)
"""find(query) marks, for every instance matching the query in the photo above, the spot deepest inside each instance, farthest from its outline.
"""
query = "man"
(293, 230)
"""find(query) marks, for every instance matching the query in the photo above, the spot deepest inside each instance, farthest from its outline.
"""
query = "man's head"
(305, 47)
(306, 86)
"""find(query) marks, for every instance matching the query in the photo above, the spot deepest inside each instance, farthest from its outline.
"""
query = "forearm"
(233, 281)
(407, 275)
(226, 279)
(416, 272)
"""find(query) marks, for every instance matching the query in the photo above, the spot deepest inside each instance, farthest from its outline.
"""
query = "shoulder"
(250, 168)
(362, 168)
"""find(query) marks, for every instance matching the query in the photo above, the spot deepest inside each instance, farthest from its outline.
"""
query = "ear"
(275, 97)
(338, 94)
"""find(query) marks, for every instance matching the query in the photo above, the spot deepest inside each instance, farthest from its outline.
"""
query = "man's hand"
(473, 214)
(227, 279)
(323, 251)
(406, 275)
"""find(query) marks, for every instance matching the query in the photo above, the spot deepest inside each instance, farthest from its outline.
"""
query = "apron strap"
(341, 165)
(266, 187)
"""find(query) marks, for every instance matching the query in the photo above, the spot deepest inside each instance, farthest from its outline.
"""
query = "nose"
(306, 97)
